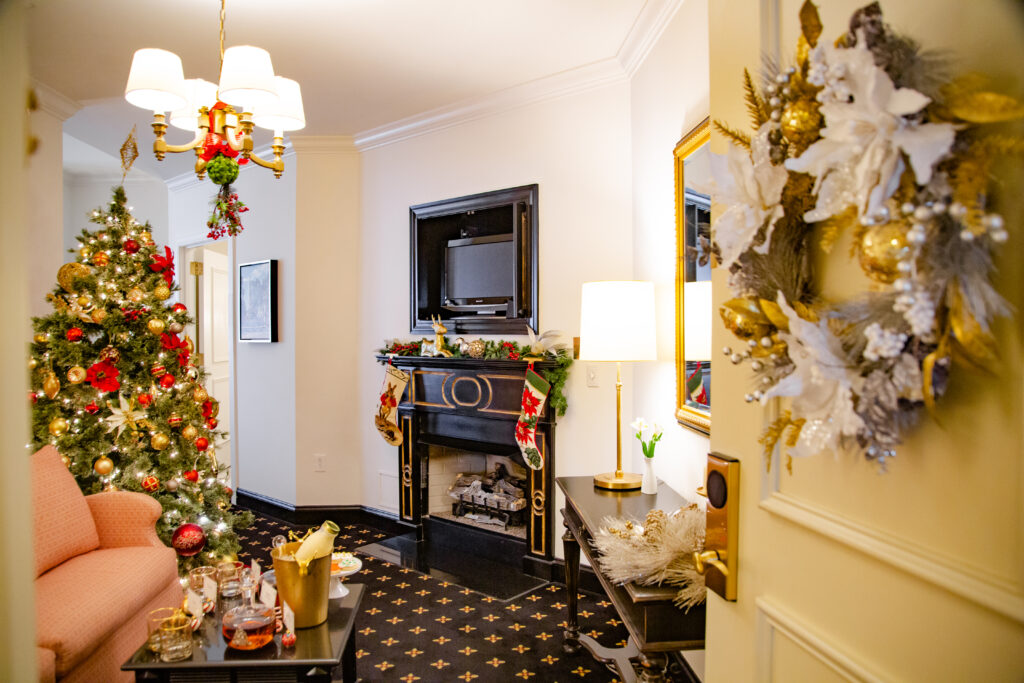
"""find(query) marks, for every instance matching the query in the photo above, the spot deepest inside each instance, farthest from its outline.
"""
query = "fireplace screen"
(482, 490)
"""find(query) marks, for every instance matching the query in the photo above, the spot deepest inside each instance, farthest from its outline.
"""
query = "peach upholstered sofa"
(100, 569)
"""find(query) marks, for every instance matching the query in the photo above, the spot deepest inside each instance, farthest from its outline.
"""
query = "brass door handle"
(715, 558)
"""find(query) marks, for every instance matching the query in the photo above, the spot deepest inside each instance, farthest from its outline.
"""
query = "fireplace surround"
(472, 405)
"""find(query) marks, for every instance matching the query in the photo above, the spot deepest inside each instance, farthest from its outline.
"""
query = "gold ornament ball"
(51, 386)
(135, 295)
(41, 339)
(84, 301)
(189, 432)
(68, 272)
(162, 292)
(76, 374)
(85, 252)
(32, 363)
(145, 236)
(103, 466)
(123, 337)
(156, 326)
(99, 315)
(160, 441)
(882, 247)
(175, 327)
(800, 122)
(476, 348)
(200, 395)
(58, 426)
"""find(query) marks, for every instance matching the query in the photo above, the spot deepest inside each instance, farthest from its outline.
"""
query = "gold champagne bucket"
(305, 594)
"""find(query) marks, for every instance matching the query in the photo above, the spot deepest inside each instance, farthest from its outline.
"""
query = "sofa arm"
(47, 664)
(125, 518)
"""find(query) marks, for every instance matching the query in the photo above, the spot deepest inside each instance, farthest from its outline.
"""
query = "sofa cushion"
(63, 524)
(81, 602)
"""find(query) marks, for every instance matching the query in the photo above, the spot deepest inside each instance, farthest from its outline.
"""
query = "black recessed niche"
(474, 263)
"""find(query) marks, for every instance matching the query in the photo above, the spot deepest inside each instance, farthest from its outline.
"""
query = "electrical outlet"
(592, 375)
(319, 462)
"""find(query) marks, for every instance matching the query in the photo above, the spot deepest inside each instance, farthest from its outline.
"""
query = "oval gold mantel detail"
(463, 387)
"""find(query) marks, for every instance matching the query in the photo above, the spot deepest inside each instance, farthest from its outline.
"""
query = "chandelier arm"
(200, 136)
(277, 165)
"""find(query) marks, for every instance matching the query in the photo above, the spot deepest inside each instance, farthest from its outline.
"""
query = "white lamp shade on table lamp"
(697, 320)
(617, 321)
(247, 77)
(156, 81)
(286, 113)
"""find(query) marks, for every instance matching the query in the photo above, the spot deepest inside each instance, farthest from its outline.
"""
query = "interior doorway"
(206, 290)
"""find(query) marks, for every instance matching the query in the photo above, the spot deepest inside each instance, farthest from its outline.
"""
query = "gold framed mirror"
(693, 279)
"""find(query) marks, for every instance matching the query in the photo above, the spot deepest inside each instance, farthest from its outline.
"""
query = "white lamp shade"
(201, 93)
(247, 77)
(697, 320)
(284, 114)
(617, 321)
(156, 80)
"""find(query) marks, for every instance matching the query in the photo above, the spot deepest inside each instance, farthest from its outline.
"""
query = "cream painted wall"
(578, 150)
(328, 313)
(668, 97)
(146, 195)
(263, 441)
(845, 573)
(45, 224)
(17, 572)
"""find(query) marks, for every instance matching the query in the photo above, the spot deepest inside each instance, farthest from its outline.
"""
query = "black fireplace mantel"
(473, 404)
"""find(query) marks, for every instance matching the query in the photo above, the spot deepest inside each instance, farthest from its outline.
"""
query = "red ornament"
(157, 369)
(167, 381)
(211, 423)
(228, 491)
(191, 475)
(145, 399)
(150, 483)
(92, 408)
(32, 397)
(288, 639)
(179, 308)
(131, 246)
(103, 376)
(174, 420)
(188, 540)
(202, 443)
(74, 334)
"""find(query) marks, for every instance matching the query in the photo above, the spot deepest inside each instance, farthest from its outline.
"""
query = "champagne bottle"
(318, 544)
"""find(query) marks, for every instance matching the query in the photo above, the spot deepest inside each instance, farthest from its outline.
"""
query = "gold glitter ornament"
(200, 395)
(189, 432)
(882, 247)
(476, 348)
(58, 426)
(801, 122)
(67, 274)
(744, 318)
(103, 466)
(160, 441)
(76, 374)
(162, 292)
(155, 326)
(135, 295)
(99, 315)
(145, 236)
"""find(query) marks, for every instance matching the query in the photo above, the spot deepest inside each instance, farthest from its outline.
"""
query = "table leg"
(348, 659)
(571, 547)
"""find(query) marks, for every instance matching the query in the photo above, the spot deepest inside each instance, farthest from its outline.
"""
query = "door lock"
(718, 561)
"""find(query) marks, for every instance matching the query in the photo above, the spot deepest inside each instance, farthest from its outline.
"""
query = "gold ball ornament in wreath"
(829, 155)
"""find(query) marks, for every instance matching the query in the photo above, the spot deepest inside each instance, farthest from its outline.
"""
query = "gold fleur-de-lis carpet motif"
(414, 627)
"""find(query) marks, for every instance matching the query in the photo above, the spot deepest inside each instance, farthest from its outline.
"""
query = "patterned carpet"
(414, 627)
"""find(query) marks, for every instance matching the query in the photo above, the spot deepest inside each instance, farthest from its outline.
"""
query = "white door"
(844, 573)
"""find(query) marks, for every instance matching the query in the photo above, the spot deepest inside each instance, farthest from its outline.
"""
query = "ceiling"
(362, 64)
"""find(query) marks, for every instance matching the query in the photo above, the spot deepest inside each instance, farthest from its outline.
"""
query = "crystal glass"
(250, 625)
(175, 638)
(153, 621)
(228, 576)
(197, 576)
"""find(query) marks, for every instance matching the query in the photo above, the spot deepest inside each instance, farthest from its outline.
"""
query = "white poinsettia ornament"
(124, 416)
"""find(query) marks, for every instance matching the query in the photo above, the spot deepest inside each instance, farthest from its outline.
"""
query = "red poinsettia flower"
(522, 431)
(103, 376)
(92, 408)
(164, 265)
(207, 409)
(170, 342)
(530, 402)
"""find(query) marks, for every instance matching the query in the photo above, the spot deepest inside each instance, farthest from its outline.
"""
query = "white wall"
(45, 225)
(669, 96)
(577, 149)
(82, 193)
(264, 424)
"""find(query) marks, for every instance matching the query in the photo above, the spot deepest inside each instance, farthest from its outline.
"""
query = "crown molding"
(571, 82)
(115, 178)
(54, 103)
(305, 145)
(652, 21)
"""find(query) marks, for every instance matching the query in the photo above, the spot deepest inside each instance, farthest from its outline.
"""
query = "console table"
(655, 625)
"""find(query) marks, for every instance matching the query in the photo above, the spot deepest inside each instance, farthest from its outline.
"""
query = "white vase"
(649, 484)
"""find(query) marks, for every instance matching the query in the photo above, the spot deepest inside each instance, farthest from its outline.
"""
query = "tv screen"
(479, 270)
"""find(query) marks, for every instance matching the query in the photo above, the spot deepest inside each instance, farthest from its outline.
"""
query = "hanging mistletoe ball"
(222, 170)
(188, 540)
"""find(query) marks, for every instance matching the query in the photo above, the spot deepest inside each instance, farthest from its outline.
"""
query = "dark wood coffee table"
(317, 652)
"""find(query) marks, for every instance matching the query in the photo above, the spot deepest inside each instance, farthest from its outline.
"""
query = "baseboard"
(315, 514)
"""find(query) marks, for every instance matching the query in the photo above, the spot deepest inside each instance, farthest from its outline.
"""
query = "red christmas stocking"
(387, 407)
(535, 394)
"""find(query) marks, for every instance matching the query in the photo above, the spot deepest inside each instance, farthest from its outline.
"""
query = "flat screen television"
(479, 274)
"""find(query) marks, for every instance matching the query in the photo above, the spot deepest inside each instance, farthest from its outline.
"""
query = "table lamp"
(617, 324)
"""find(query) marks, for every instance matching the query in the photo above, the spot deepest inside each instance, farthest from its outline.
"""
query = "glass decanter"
(250, 625)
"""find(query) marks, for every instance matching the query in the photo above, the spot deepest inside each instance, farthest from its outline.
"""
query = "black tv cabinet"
(512, 211)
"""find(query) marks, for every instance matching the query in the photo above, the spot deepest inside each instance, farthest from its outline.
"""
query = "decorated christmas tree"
(116, 388)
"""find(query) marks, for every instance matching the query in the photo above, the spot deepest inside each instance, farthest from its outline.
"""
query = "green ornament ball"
(222, 170)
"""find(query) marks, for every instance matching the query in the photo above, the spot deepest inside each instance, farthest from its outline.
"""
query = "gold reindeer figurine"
(436, 347)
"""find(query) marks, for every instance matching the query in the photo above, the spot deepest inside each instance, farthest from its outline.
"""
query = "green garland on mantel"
(507, 350)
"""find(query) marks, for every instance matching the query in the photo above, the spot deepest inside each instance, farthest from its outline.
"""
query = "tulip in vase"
(649, 483)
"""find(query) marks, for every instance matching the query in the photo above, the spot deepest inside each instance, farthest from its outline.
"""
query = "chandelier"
(222, 116)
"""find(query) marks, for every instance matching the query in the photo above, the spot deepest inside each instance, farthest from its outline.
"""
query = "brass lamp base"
(625, 481)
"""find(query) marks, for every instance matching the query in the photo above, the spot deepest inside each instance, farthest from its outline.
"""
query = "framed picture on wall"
(257, 301)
